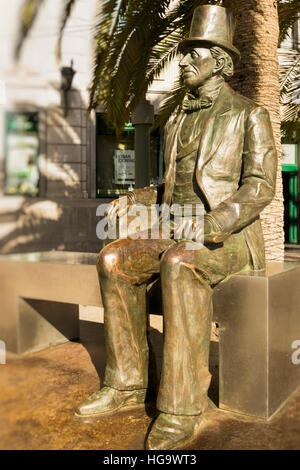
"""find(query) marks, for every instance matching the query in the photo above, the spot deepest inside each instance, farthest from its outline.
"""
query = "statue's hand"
(207, 232)
(212, 231)
(189, 230)
(117, 208)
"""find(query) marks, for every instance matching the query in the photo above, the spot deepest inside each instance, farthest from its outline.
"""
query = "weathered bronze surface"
(219, 153)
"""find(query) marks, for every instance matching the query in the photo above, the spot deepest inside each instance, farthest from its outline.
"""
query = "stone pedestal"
(259, 319)
(40, 298)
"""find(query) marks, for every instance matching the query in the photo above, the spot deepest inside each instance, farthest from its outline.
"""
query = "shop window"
(116, 160)
(292, 39)
(290, 191)
(21, 153)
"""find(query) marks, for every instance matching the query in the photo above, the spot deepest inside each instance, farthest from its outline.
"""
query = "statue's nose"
(183, 63)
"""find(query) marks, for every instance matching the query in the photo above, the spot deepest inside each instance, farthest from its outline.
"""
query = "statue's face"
(197, 66)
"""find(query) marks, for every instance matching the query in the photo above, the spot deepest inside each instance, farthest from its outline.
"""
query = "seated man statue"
(220, 155)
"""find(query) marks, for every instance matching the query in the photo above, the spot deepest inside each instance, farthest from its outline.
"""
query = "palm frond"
(289, 77)
(162, 55)
(69, 4)
(144, 41)
(28, 15)
(108, 19)
(127, 58)
(118, 105)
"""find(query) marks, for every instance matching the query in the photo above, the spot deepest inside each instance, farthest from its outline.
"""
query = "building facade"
(58, 163)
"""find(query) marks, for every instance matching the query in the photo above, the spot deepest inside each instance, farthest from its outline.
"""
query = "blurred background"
(57, 162)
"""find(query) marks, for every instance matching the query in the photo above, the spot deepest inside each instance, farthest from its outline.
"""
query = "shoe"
(108, 400)
(170, 431)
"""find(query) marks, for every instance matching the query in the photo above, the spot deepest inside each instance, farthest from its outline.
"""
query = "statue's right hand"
(117, 208)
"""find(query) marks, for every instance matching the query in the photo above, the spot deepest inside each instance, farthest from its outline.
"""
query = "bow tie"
(194, 104)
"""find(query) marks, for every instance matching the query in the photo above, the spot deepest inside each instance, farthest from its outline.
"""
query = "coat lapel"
(214, 132)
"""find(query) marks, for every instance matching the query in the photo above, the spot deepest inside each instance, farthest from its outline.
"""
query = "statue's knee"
(107, 261)
(175, 263)
(171, 264)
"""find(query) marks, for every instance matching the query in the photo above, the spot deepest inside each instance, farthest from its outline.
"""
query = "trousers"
(125, 268)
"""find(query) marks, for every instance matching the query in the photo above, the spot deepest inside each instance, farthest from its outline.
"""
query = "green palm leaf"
(290, 131)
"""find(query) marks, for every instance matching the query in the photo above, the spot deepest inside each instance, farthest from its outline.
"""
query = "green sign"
(129, 127)
(21, 159)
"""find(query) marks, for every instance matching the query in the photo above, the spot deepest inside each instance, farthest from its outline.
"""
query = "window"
(116, 160)
(292, 40)
(21, 154)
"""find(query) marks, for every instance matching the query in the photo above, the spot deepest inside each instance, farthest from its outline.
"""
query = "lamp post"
(67, 75)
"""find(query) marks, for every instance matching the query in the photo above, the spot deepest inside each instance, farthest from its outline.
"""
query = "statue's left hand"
(189, 230)
(212, 231)
(207, 232)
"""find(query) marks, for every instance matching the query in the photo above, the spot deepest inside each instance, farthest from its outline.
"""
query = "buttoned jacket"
(235, 168)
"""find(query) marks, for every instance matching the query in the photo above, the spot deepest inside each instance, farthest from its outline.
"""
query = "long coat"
(235, 168)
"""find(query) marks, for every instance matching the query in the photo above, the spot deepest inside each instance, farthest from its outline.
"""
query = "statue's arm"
(258, 180)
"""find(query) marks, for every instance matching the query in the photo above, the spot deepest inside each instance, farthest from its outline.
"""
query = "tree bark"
(257, 77)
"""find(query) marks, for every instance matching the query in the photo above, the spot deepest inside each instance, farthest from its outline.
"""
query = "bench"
(258, 316)
(64, 279)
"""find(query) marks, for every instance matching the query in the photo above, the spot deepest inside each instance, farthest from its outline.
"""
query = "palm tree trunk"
(257, 77)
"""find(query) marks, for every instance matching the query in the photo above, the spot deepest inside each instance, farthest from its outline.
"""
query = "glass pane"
(116, 159)
(21, 159)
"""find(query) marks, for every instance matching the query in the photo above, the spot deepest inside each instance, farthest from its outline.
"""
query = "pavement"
(39, 392)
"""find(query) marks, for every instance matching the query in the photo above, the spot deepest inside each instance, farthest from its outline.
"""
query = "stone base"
(43, 324)
(259, 320)
(40, 298)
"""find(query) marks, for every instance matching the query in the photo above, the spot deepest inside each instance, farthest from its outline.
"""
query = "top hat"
(214, 25)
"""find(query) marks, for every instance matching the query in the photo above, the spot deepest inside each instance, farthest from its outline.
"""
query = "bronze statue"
(219, 154)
